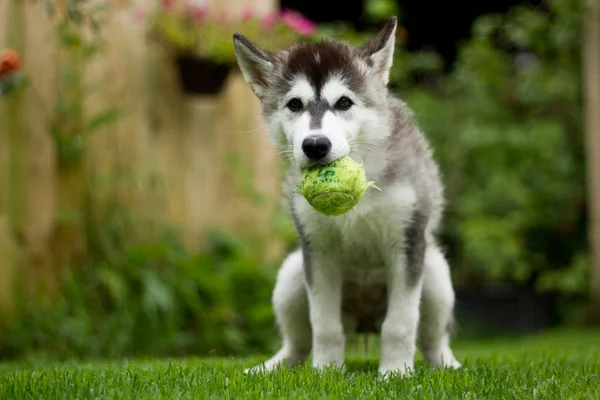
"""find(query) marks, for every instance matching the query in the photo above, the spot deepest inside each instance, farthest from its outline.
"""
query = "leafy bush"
(506, 126)
(152, 299)
(193, 31)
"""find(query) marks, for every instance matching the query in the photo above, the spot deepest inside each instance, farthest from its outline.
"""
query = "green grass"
(558, 365)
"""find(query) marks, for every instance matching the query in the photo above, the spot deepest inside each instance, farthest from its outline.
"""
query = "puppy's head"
(323, 100)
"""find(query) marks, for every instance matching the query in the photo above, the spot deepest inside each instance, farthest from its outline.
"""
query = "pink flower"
(138, 14)
(198, 11)
(270, 19)
(168, 5)
(247, 14)
(298, 22)
(223, 18)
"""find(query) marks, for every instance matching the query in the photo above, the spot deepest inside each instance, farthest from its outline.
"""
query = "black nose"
(316, 147)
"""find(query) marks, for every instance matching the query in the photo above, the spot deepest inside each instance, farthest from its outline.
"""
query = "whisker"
(287, 152)
(260, 127)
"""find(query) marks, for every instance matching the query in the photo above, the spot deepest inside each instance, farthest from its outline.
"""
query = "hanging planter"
(202, 44)
(202, 76)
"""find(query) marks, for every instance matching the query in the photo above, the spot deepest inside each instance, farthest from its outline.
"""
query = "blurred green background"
(504, 114)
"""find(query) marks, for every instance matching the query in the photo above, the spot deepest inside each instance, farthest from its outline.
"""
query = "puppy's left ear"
(379, 51)
(257, 65)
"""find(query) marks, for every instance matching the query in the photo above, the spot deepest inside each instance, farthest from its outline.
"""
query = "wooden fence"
(193, 163)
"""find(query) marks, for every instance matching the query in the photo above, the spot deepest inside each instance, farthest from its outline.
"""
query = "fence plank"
(195, 163)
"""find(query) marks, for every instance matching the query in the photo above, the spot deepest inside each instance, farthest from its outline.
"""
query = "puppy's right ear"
(256, 64)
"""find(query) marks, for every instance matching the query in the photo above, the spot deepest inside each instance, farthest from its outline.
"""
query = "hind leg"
(437, 306)
(290, 303)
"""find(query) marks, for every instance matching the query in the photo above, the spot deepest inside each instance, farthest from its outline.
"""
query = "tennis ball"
(335, 188)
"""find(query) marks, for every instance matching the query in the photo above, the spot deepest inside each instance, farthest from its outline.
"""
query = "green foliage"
(151, 298)
(506, 126)
(134, 294)
(80, 42)
(377, 10)
(13, 83)
(192, 32)
(139, 291)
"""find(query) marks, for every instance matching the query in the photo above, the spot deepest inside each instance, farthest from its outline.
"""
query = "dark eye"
(343, 103)
(294, 105)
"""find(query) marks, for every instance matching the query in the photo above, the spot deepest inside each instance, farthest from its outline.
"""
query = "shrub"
(194, 31)
(152, 299)
(506, 126)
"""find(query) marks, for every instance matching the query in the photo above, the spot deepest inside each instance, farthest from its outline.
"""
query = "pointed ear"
(379, 51)
(256, 64)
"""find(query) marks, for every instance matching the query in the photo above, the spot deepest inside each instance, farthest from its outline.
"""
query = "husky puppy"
(377, 268)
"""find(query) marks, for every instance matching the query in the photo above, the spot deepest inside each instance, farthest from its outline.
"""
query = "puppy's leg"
(325, 297)
(399, 328)
(437, 306)
(404, 283)
(290, 305)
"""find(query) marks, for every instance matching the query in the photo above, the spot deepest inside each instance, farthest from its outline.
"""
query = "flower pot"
(201, 75)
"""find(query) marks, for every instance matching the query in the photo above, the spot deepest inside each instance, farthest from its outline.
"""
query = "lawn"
(557, 365)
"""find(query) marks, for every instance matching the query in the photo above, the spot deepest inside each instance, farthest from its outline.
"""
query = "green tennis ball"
(335, 188)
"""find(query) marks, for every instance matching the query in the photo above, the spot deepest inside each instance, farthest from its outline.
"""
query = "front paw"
(320, 364)
(332, 358)
(267, 367)
(396, 369)
(328, 351)
(451, 364)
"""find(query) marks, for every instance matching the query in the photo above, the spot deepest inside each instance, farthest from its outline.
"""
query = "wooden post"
(591, 65)
(14, 190)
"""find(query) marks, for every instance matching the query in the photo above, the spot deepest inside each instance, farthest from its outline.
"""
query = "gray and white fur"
(377, 268)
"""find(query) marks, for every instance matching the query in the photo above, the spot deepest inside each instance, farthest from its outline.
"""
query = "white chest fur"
(362, 240)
